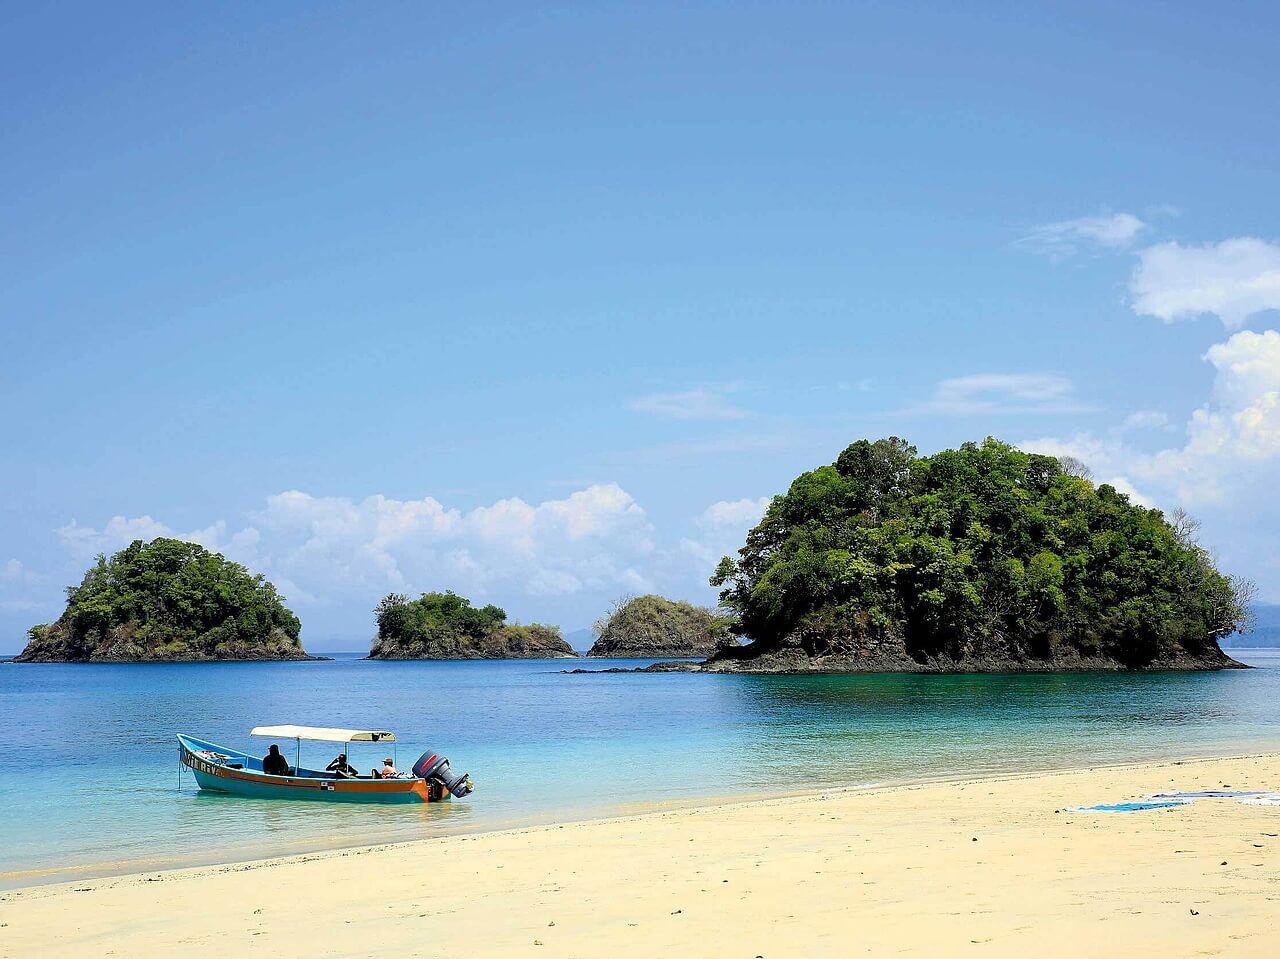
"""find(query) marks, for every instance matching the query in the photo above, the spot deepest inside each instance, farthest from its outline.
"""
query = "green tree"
(168, 599)
(446, 626)
(984, 547)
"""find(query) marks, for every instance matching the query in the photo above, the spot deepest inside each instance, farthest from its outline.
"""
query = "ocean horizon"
(93, 785)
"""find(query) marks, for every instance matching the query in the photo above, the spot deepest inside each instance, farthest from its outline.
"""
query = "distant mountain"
(1266, 630)
(1266, 614)
(581, 639)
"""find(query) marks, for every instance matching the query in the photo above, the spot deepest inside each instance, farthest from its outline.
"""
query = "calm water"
(89, 776)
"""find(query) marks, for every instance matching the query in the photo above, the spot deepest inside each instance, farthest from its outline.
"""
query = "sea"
(90, 783)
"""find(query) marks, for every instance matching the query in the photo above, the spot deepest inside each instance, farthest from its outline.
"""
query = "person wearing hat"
(389, 770)
(342, 767)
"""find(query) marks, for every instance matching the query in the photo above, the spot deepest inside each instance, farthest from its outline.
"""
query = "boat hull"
(216, 775)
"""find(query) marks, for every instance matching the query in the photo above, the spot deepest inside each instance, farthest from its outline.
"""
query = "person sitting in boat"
(342, 767)
(274, 763)
(389, 770)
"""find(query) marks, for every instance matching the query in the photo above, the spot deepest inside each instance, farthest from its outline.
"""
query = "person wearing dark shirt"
(274, 763)
(342, 767)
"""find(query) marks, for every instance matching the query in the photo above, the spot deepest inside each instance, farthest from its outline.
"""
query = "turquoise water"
(89, 777)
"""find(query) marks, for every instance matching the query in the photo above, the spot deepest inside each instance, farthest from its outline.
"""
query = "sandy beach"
(995, 867)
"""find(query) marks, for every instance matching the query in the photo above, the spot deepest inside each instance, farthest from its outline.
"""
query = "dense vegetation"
(447, 626)
(646, 626)
(983, 557)
(168, 600)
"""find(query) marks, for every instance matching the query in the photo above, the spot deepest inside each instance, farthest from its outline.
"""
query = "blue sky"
(539, 303)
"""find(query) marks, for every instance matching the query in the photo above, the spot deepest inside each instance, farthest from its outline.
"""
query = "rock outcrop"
(648, 627)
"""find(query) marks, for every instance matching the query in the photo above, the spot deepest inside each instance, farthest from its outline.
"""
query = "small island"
(645, 627)
(447, 626)
(978, 559)
(168, 601)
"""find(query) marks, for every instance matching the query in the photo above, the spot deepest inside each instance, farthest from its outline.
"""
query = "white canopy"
(321, 734)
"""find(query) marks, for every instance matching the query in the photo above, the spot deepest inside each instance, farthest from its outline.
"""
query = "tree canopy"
(981, 551)
(169, 599)
(446, 626)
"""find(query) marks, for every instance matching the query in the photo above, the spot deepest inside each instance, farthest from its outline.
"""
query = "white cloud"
(1106, 458)
(1122, 485)
(984, 393)
(1233, 280)
(699, 404)
(1238, 430)
(322, 549)
(1146, 420)
(733, 513)
(1111, 231)
(84, 541)
(722, 529)
(1229, 440)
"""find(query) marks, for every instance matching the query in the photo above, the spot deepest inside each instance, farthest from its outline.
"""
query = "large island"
(983, 558)
(447, 626)
(167, 601)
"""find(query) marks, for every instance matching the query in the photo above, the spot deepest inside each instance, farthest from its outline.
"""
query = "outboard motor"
(432, 767)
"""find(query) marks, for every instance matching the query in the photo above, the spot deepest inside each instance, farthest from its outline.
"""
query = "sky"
(541, 303)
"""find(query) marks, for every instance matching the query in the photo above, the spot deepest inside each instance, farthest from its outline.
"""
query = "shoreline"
(314, 848)
(994, 865)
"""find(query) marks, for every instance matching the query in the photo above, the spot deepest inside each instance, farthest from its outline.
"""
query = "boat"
(219, 769)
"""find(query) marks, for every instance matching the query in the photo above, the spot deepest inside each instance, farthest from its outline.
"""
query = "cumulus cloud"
(699, 404)
(1233, 280)
(85, 541)
(721, 529)
(733, 513)
(1106, 457)
(984, 393)
(1236, 431)
(1110, 231)
(1146, 420)
(1229, 440)
(319, 549)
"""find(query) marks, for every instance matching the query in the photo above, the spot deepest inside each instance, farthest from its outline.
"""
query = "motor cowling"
(434, 767)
